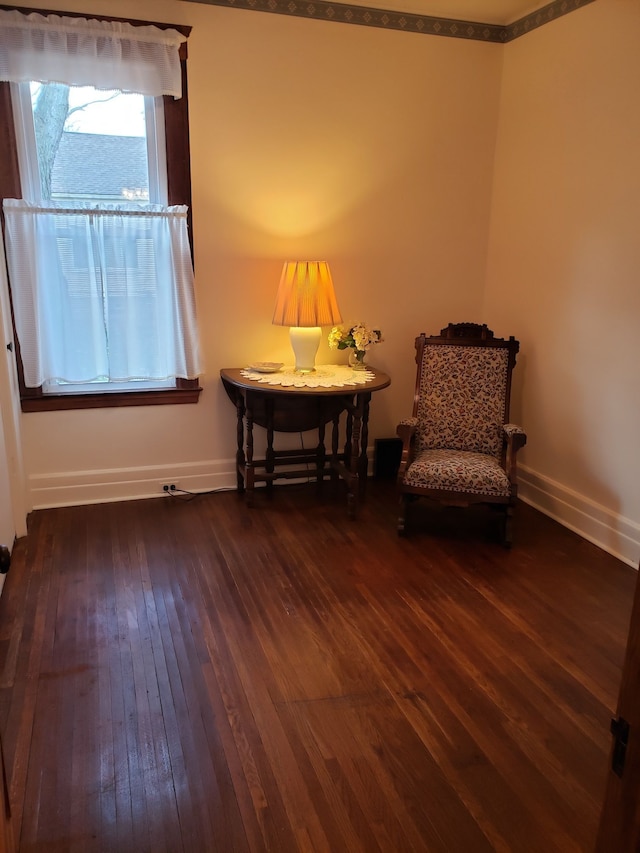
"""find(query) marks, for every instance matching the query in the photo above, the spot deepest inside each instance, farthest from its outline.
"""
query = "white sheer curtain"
(108, 295)
(81, 52)
(100, 291)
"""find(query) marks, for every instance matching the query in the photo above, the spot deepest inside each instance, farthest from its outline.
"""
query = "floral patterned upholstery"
(462, 399)
(458, 471)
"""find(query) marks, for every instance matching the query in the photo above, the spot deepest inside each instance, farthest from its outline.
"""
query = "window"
(78, 143)
(106, 168)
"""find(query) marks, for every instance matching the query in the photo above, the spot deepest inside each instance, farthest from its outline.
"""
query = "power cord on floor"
(185, 495)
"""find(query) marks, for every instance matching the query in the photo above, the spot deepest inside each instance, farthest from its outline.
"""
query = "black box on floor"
(386, 457)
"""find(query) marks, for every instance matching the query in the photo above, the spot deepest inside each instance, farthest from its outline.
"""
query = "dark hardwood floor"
(195, 676)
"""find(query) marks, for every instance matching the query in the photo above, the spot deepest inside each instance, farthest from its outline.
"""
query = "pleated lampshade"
(306, 296)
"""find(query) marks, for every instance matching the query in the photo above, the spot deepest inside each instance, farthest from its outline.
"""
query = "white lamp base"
(305, 341)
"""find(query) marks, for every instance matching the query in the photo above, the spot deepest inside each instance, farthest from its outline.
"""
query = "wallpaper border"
(324, 10)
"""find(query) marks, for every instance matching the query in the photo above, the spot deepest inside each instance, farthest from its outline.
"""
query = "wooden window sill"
(59, 402)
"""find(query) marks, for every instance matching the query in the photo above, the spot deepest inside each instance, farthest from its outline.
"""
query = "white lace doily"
(325, 376)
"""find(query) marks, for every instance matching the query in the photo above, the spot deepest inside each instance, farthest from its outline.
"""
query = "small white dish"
(267, 366)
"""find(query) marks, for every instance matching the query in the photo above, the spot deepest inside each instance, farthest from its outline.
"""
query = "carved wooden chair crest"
(458, 447)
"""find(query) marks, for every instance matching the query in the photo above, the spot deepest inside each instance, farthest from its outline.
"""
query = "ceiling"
(500, 12)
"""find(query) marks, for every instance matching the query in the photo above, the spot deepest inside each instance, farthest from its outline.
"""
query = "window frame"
(176, 133)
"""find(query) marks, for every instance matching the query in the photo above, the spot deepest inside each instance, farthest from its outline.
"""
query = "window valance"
(87, 52)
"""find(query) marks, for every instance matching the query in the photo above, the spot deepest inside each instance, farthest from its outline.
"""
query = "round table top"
(233, 375)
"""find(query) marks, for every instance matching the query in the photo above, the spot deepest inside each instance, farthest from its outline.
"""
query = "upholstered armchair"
(458, 448)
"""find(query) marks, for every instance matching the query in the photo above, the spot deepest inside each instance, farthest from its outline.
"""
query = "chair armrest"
(516, 438)
(410, 423)
(514, 429)
(406, 430)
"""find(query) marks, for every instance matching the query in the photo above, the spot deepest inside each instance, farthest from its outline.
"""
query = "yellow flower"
(335, 336)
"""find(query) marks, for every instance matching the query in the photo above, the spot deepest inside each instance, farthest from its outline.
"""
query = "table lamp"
(305, 301)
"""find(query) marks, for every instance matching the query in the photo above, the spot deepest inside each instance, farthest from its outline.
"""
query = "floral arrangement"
(359, 337)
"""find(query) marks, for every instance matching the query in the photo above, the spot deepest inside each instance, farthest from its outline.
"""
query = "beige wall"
(370, 149)
(564, 264)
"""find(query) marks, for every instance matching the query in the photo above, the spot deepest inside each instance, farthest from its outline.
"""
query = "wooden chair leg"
(507, 527)
(402, 518)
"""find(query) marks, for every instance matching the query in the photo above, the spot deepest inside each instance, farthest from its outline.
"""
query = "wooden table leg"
(270, 455)
(240, 458)
(249, 477)
(321, 456)
(356, 458)
(348, 437)
(363, 460)
(335, 438)
(354, 455)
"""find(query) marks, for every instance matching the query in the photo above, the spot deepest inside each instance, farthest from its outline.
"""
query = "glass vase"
(356, 359)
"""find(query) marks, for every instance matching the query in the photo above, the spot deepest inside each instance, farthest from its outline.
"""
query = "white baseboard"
(75, 488)
(608, 530)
